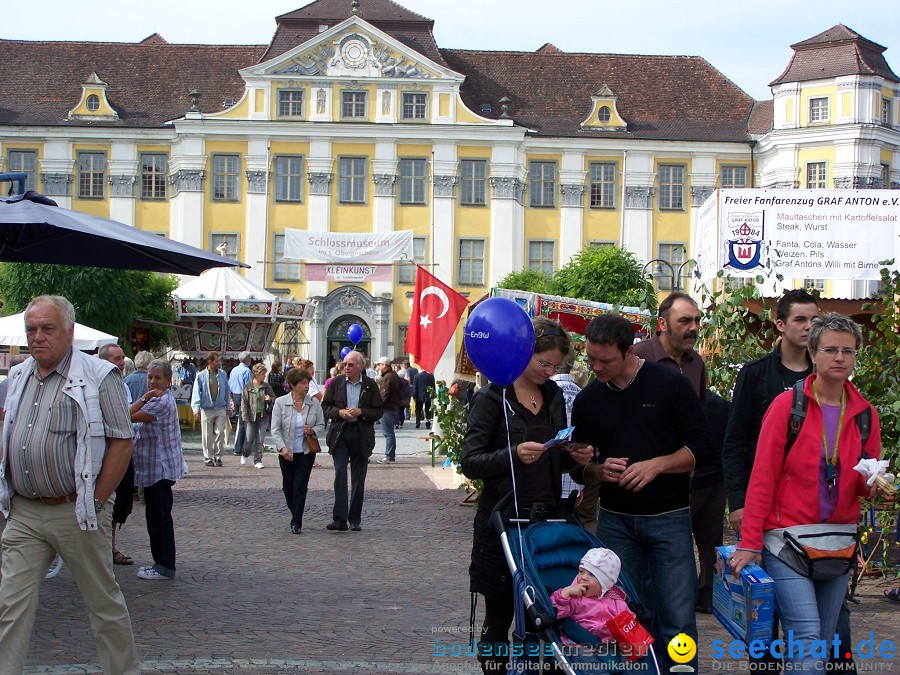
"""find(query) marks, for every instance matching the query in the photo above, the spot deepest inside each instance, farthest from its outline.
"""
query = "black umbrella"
(33, 229)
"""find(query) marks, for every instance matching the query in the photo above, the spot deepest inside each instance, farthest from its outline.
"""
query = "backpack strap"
(798, 414)
(799, 403)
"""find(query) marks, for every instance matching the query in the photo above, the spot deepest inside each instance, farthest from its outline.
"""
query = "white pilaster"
(507, 242)
(256, 226)
(637, 217)
(122, 183)
(187, 174)
(57, 169)
(571, 219)
(384, 177)
(443, 235)
(321, 179)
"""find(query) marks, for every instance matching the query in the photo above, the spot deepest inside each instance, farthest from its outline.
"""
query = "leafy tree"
(605, 274)
(532, 280)
(106, 299)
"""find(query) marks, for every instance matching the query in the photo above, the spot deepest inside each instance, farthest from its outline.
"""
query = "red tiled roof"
(836, 52)
(413, 30)
(660, 97)
(762, 117)
(338, 10)
(148, 82)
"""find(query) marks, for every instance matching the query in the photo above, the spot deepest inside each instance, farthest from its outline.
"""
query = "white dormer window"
(818, 110)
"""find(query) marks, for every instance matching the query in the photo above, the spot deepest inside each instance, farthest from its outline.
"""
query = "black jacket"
(757, 385)
(370, 404)
(485, 454)
(421, 384)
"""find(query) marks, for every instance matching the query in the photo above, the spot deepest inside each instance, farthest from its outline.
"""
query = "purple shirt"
(157, 445)
(828, 499)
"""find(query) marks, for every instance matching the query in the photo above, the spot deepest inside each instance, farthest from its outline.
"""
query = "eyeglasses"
(834, 351)
(549, 366)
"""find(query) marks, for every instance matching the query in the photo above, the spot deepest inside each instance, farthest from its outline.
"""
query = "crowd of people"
(660, 455)
(651, 488)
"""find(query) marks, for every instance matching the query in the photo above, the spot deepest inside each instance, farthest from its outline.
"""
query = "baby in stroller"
(593, 597)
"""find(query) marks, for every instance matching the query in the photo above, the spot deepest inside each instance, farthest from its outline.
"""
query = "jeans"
(348, 449)
(241, 432)
(657, 550)
(160, 529)
(256, 434)
(808, 611)
(389, 419)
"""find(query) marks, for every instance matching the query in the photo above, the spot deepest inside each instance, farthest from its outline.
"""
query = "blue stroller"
(543, 559)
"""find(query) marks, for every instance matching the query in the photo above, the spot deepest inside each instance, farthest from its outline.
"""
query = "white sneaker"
(259, 465)
(150, 573)
(243, 460)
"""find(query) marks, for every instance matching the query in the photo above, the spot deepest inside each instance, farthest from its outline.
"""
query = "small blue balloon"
(345, 351)
(355, 333)
(499, 339)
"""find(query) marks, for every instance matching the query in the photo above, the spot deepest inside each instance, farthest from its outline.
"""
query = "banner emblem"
(745, 246)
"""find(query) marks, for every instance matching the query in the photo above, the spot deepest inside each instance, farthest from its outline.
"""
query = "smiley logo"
(682, 648)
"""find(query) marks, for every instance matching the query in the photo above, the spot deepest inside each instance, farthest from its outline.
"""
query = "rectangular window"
(284, 271)
(91, 174)
(412, 181)
(407, 273)
(225, 243)
(225, 170)
(542, 184)
(602, 176)
(415, 106)
(673, 253)
(734, 283)
(290, 103)
(353, 104)
(471, 262)
(818, 110)
(814, 285)
(886, 176)
(734, 177)
(542, 256)
(24, 160)
(815, 176)
(886, 111)
(288, 179)
(671, 187)
(153, 176)
(352, 180)
(473, 182)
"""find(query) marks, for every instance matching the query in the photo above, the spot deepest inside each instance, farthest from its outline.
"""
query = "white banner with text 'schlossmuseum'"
(342, 247)
(824, 234)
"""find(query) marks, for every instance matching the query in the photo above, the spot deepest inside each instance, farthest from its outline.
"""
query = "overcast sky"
(747, 41)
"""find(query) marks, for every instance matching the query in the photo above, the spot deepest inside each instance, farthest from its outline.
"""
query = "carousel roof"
(222, 282)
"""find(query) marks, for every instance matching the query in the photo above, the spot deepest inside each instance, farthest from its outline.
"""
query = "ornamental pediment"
(353, 49)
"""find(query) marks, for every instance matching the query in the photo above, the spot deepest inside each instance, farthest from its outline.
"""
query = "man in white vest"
(67, 444)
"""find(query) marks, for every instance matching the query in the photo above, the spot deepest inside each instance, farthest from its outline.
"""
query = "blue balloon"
(499, 339)
(345, 351)
(355, 333)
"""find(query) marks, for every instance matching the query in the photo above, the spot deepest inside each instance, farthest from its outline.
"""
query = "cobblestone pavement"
(250, 597)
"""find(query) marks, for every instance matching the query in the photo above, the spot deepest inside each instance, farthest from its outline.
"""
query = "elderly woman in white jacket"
(295, 417)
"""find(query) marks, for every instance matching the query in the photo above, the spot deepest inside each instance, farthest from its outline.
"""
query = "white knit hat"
(604, 565)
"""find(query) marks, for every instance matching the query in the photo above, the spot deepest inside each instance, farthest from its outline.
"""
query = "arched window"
(93, 103)
(604, 114)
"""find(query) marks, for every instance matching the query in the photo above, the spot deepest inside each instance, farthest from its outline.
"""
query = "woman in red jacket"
(812, 483)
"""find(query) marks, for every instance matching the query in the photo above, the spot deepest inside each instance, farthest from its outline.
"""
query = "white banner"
(823, 234)
(340, 247)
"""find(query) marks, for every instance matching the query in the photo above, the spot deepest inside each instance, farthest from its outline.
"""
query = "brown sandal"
(120, 558)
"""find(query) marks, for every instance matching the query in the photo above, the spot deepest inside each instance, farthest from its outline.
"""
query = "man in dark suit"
(353, 404)
(421, 385)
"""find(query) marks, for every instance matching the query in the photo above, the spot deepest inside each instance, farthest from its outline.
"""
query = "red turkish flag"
(436, 312)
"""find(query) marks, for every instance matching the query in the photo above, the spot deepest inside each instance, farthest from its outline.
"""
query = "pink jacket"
(784, 492)
(592, 613)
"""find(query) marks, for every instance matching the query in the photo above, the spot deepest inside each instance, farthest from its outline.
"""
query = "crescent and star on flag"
(424, 320)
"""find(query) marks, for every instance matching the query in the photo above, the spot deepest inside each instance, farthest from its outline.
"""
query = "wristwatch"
(144, 399)
(98, 506)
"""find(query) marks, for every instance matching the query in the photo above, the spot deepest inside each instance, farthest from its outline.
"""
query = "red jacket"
(785, 491)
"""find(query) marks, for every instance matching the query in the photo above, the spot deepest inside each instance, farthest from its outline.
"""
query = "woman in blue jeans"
(295, 418)
(811, 483)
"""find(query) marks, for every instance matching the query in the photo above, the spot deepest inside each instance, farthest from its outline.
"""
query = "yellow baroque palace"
(353, 119)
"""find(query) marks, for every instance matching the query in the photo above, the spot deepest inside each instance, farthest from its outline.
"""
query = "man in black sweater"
(650, 432)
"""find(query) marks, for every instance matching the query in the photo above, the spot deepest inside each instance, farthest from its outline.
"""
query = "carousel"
(222, 311)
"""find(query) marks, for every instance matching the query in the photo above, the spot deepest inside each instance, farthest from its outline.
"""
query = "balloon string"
(512, 473)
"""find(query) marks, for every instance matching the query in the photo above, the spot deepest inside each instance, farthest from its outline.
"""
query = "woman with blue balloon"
(509, 422)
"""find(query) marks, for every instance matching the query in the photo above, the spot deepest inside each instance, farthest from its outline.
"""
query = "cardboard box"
(745, 605)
